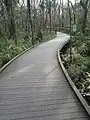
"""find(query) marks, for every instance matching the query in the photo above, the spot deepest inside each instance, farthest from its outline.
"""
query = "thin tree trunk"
(11, 21)
(30, 19)
(43, 16)
(50, 14)
(59, 17)
(54, 15)
(50, 21)
(84, 20)
(62, 16)
(70, 32)
(46, 18)
(73, 12)
(85, 8)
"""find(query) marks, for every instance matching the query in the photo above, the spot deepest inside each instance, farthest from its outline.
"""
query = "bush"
(8, 49)
(39, 36)
(80, 64)
(88, 48)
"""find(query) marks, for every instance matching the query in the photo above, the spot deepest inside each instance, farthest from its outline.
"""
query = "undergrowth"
(79, 68)
(9, 50)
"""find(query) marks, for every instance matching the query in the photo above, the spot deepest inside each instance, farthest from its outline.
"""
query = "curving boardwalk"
(33, 87)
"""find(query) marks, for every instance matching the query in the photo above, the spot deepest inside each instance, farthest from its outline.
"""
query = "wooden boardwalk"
(33, 87)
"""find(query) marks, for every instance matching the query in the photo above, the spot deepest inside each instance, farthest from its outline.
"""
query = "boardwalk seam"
(45, 116)
(52, 70)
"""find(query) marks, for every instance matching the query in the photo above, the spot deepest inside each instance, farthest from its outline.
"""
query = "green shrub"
(80, 64)
(5, 58)
(88, 48)
(8, 49)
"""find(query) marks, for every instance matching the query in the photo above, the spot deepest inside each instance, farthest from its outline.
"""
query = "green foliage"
(8, 49)
(87, 63)
(80, 61)
(48, 36)
(39, 36)
(82, 43)
(88, 48)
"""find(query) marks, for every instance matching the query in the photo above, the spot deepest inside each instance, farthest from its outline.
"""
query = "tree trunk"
(46, 18)
(49, 11)
(84, 20)
(50, 21)
(59, 17)
(62, 16)
(11, 21)
(70, 32)
(54, 14)
(85, 9)
(30, 19)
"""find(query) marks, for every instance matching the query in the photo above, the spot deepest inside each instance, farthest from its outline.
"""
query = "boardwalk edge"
(76, 91)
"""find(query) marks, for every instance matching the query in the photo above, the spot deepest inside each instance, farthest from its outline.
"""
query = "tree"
(62, 15)
(59, 12)
(11, 20)
(30, 19)
(42, 6)
(70, 22)
(54, 5)
(84, 4)
(73, 10)
(49, 11)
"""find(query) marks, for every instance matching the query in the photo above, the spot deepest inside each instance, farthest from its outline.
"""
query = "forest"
(24, 23)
